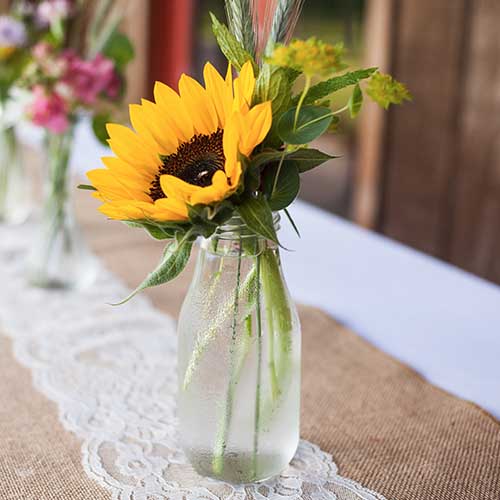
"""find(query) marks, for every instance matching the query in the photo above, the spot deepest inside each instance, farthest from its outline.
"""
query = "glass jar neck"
(57, 182)
(5, 123)
(235, 238)
(58, 156)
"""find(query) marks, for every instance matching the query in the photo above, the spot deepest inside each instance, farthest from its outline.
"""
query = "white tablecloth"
(441, 321)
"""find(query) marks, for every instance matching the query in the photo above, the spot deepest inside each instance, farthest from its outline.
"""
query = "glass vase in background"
(59, 257)
(239, 360)
(15, 193)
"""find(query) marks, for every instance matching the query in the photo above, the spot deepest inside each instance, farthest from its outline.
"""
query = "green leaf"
(252, 180)
(159, 232)
(174, 259)
(257, 215)
(119, 49)
(287, 185)
(263, 158)
(275, 84)
(207, 218)
(355, 101)
(324, 89)
(312, 122)
(86, 187)
(229, 45)
(57, 30)
(385, 90)
(307, 159)
(292, 222)
(99, 127)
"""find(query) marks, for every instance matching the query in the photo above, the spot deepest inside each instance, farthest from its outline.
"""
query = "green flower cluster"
(311, 57)
(384, 90)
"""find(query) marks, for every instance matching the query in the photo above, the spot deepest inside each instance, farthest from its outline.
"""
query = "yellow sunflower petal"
(175, 112)
(170, 209)
(128, 146)
(235, 174)
(161, 126)
(220, 92)
(121, 167)
(112, 187)
(254, 127)
(229, 76)
(118, 210)
(243, 88)
(217, 191)
(174, 187)
(148, 125)
(230, 141)
(199, 105)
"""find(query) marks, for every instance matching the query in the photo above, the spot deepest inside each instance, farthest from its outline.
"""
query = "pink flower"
(89, 79)
(49, 111)
(49, 63)
(41, 51)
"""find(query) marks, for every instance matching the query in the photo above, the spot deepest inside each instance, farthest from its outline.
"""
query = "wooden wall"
(437, 163)
(136, 25)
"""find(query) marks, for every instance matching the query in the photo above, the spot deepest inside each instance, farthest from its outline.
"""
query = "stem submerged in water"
(222, 434)
(259, 375)
(54, 222)
(213, 330)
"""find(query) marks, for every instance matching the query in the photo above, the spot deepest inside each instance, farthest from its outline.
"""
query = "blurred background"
(426, 173)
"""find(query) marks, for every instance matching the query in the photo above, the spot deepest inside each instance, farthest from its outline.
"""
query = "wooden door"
(437, 163)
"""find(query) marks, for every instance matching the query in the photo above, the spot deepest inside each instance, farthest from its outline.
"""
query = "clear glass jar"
(14, 186)
(59, 257)
(239, 360)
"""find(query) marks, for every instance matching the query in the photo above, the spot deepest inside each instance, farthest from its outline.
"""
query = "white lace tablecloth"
(112, 373)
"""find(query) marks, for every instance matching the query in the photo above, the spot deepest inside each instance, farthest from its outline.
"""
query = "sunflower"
(185, 148)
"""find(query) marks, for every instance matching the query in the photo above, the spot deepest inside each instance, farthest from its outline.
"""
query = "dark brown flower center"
(195, 162)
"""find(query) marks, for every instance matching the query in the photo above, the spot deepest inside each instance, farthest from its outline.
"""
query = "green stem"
(341, 110)
(280, 324)
(322, 117)
(8, 163)
(259, 374)
(222, 434)
(204, 342)
(278, 170)
(272, 358)
(307, 86)
(54, 214)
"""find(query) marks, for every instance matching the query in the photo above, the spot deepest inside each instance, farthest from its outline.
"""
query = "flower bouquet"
(76, 70)
(220, 162)
(19, 30)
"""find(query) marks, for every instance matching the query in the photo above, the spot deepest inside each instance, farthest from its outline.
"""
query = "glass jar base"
(238, 468)
(15, 218)
(60, 281)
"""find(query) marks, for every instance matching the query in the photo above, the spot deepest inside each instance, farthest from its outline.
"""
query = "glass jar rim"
(235, 228)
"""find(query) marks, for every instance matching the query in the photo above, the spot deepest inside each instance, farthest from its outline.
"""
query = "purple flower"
(12, 32)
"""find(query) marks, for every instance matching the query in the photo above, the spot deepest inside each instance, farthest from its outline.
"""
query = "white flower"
(53, 10)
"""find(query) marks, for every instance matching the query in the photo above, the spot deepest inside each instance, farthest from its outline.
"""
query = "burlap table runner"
(386, 427)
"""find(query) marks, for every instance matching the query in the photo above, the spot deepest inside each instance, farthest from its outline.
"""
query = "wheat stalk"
(240, 19)
(285, 19)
